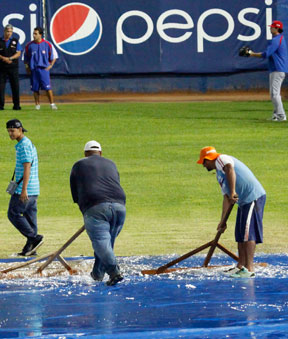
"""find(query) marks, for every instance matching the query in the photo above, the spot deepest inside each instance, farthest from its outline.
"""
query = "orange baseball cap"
(208, 152)
(276, 24)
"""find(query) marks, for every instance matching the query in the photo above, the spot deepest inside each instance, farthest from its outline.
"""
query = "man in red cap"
(277, 55)
(239, 185)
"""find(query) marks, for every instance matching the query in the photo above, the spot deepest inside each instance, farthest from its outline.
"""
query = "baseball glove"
(244, 51)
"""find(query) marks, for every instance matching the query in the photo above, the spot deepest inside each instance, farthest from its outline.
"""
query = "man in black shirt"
(95, 187)
(10, 51)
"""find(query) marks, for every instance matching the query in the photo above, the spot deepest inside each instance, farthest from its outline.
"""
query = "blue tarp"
(198, 303)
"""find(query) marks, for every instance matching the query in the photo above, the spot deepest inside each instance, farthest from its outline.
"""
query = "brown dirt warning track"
(97, 97)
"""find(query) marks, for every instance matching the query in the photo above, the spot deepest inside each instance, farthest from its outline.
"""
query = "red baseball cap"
(276, 24)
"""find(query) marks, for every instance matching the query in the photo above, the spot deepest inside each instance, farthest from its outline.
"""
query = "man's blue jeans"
(103, 223)
(24, 215)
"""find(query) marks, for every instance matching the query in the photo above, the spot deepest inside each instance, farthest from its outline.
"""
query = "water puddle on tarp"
(199, 303)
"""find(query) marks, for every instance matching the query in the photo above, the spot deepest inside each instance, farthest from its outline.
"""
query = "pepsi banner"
(157, 36)
(106, 37)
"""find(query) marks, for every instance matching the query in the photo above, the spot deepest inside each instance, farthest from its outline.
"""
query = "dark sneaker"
(26, 248)
(33, 254)
(94, 277)
(34, 244)
(21, 253)
(113, 281)
(16, 108)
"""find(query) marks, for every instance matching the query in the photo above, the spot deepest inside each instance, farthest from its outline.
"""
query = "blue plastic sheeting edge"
(200, 303)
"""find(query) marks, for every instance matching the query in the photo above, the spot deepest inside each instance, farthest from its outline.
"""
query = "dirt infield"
(87, 97)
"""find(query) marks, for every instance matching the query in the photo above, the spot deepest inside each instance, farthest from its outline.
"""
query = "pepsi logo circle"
(76, 28)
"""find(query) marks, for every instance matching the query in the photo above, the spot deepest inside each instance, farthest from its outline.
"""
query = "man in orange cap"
(239, 185)
(277, 55)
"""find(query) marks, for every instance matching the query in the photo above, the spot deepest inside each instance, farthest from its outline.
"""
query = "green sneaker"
(231, 270)
(243, 273)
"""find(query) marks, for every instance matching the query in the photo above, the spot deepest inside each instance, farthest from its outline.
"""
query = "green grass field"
(173, 204)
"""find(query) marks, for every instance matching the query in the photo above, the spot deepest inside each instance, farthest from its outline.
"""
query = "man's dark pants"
(24, 215)
(13, 75)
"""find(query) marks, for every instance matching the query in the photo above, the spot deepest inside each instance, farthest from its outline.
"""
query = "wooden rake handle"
(225, 250)
(60, 250)
(217, 237)
(27, 263)
(161, 269)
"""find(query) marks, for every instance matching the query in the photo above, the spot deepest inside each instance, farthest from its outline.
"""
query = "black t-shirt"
(94, 180)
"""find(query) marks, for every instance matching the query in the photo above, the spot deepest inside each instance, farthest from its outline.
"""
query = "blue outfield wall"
(162, 83)
(158, 83)
(149, 45)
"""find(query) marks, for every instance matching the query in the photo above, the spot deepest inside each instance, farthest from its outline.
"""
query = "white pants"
(275, 82)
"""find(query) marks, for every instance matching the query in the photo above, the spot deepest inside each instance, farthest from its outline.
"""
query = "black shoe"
(23, 254)
(1, 108)
(32, 245)
(16, 108)
(113, 281)
(95, 278)
(26, 248)
(36, 243)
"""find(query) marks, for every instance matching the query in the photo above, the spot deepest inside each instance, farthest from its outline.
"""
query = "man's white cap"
(92, 146)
